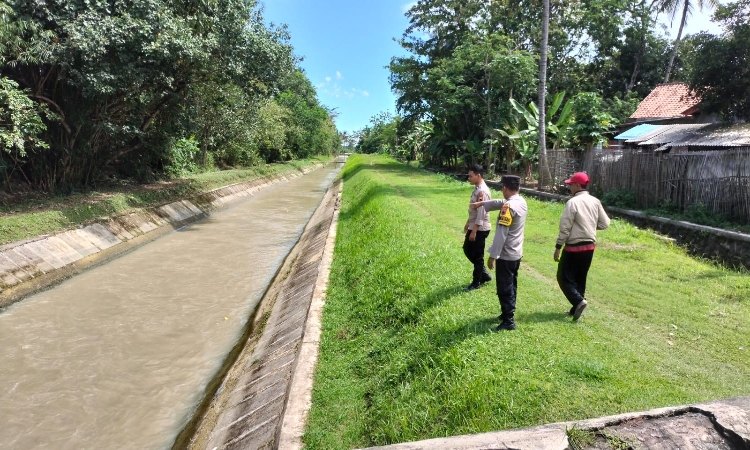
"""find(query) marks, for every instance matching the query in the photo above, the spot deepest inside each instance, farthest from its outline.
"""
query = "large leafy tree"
(117, 75)
(720, 65)
(687, 7)
(460, 76)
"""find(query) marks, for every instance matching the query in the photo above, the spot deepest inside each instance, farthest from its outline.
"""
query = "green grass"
(407, 355)
(49, 214)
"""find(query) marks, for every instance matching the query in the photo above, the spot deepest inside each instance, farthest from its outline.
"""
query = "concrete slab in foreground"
(717, 425)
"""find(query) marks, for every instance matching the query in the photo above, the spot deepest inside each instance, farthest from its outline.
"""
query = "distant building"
(670, 113)
(668, 102)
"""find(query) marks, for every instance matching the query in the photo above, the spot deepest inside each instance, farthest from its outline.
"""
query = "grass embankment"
(407, 355)
(48, 214)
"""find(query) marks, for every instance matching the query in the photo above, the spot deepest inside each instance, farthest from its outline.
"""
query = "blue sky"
(348, 44)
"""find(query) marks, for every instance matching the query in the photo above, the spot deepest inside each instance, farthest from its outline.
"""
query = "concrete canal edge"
(260, 398)
(32, 265)
(721, 424)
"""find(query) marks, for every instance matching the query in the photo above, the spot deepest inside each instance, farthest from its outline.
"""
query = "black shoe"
(579, 309)
(472, 286)
(505, 326)
(572, 310)
(486, 278)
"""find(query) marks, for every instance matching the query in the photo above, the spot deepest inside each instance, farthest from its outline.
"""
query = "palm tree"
(672, 6)
(543, 168)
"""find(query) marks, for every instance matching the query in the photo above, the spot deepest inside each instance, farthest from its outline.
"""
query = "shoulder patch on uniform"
(505, 218)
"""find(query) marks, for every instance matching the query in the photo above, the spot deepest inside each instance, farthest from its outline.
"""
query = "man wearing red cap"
(582, 216)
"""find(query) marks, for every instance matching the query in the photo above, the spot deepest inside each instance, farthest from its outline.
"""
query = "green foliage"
(183, 158)
(591, 121)
(579, 439)
(459, 81)
(619, 198)
(20, 120)
(307, 131)
(381, 136)
(124, 80)
(468, 61)
(720, 65)
(621, 108)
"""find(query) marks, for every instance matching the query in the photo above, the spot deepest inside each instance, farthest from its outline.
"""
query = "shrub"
(619, 198)
(183, 157)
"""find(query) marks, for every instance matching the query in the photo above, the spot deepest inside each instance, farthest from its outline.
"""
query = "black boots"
(505, 325)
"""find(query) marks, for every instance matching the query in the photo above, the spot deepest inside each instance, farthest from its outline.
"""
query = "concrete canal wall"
(35, 264)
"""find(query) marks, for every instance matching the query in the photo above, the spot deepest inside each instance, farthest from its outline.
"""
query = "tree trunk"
(544, 174)
(677, 41)
(641, 51)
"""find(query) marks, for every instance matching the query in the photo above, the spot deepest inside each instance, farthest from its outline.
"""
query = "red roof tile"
(667, 100)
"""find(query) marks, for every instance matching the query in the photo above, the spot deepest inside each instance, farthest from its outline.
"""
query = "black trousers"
(474, 252)
(506, 276)
(571, 274)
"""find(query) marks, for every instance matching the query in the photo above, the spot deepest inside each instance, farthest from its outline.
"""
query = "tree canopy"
(467, 62)
(118, 84)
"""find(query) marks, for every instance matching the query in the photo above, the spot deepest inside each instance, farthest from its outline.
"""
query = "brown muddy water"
(119, 356)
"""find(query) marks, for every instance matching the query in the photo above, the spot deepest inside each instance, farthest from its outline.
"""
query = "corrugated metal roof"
(737, 135)
(655, 135)
(696, 135)
(636, 131)
(673, 133)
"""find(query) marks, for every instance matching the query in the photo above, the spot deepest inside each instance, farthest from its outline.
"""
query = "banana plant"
(558, 130)
(472, 149)
(524, 150)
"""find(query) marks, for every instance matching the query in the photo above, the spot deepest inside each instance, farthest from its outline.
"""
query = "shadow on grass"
(539, 317)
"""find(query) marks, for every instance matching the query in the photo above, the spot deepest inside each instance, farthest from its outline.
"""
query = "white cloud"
(333, 89)
(407, 7)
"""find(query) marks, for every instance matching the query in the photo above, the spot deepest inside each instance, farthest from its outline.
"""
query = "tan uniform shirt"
(480, 216)
(582, 216)
(508, 242)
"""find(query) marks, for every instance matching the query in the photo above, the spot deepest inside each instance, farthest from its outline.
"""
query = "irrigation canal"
(119, 356)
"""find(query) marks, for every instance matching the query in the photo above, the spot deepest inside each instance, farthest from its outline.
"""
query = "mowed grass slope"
(407, 355)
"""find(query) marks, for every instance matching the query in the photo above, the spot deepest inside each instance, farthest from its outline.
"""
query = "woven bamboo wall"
(562, 164)
(720, 180)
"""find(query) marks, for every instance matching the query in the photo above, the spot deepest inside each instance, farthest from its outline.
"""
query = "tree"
(118, 77)
(673, 6)
(21, 125)
(590, 121)
(381, 136)
(544, 174)
(720, 65)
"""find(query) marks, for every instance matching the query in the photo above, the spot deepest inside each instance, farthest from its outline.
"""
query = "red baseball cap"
(578, 178)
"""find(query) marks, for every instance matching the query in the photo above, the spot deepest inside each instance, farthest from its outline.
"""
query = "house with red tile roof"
(668, 101)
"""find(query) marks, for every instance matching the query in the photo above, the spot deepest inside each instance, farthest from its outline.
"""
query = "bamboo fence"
(562, 164)
(719, 179)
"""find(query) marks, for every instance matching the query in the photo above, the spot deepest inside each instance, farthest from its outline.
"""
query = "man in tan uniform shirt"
(507, 247)
(477, 228)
